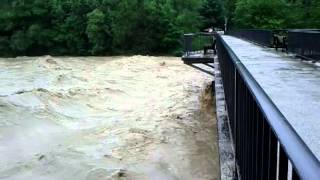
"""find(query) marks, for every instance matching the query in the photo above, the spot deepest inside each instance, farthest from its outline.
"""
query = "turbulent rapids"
(105, 118)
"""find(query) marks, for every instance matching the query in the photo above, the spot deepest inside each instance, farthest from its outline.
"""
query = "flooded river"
(103, 118)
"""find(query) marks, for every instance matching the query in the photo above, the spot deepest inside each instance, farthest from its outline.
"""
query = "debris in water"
(163, 63)
(119, 173)
(41, 157)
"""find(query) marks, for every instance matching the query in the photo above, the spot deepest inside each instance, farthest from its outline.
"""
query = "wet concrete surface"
(293, 85)
(97, 118)
(226, 150)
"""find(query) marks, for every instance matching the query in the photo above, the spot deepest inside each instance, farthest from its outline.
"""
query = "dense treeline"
(107, 27)
(274, 14)
(98, 27)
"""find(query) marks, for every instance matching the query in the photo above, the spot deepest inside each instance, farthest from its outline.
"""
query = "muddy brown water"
(102, 118)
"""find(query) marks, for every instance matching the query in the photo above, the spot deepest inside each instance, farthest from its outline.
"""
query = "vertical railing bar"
(239, 116)
(262, 147)
(246, 134)
(243, 122)
(272, 162)
(235, 115)
(295, 176)
(253, 139)
(259, 144)
(242, 130)
(283, 164)
(265, 149)
(240, 125)
(250, 134)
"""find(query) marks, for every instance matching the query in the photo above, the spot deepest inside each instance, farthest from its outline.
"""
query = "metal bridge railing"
(264, 141)
(259, 36)
(305, 43)
(194, 43)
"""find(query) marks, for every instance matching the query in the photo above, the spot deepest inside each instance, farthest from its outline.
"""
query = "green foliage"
(156, 27)
(98, 32)
(212, 14)
(260, 14)
(304, 14)
(315, 12)
(100, 27)
(276, 14)
(95, 27)
(229, 6)
(106, 27)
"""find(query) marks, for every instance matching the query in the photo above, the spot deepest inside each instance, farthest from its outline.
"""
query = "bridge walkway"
(292, 85)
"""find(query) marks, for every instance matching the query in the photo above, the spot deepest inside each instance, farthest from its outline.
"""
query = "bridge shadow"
(205, 67)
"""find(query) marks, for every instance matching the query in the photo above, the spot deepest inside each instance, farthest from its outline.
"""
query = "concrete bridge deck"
(292, 85)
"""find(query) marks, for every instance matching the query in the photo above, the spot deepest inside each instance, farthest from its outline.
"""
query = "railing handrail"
(302, 158)
(201, 33)
(259, 36)
(276, 29)
(305, 31)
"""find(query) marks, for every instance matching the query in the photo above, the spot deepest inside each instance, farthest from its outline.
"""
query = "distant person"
(209, 30)
(212, 45)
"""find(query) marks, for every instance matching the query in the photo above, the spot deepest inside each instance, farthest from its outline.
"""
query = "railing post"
(283, 164)
(273, 158)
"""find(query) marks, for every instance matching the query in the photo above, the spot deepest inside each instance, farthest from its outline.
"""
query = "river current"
(94, 118)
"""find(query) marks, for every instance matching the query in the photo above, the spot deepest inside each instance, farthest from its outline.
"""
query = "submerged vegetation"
(107, 27)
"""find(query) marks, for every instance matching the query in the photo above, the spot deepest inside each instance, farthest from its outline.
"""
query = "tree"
(99, 27)
(212, 14)
(260, 14)
(229, 8)
(275, 14)
(98, 32)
